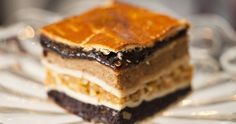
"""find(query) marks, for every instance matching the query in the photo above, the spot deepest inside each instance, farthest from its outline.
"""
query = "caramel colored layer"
(179, 76)
(116, 27)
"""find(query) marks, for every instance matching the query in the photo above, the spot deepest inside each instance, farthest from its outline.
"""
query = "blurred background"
(224, 8)
(212, 50)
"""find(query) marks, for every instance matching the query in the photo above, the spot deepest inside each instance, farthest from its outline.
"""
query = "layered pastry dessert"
(117, 63)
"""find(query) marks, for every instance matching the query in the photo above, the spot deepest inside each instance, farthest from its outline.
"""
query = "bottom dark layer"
(107, 115)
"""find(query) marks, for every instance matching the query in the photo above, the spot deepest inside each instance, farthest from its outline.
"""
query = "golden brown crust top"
(116, 27)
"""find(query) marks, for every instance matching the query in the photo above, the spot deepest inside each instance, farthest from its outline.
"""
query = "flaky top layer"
(115, 27)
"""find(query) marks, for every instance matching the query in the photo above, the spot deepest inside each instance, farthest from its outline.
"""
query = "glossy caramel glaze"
(116, 27)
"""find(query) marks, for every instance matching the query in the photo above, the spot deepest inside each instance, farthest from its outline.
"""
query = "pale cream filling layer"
(115, 91)
(94, 100)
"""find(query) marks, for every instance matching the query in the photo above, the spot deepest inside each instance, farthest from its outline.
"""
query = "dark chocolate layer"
(107, 115)
(129, 58)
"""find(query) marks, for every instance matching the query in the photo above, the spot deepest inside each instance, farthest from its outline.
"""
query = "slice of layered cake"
(116, 64)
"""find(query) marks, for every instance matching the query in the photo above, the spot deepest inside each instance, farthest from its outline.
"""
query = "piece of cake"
(116, 64)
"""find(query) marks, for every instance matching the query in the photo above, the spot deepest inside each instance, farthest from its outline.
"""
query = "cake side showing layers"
(127, 26)
(124, 81)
